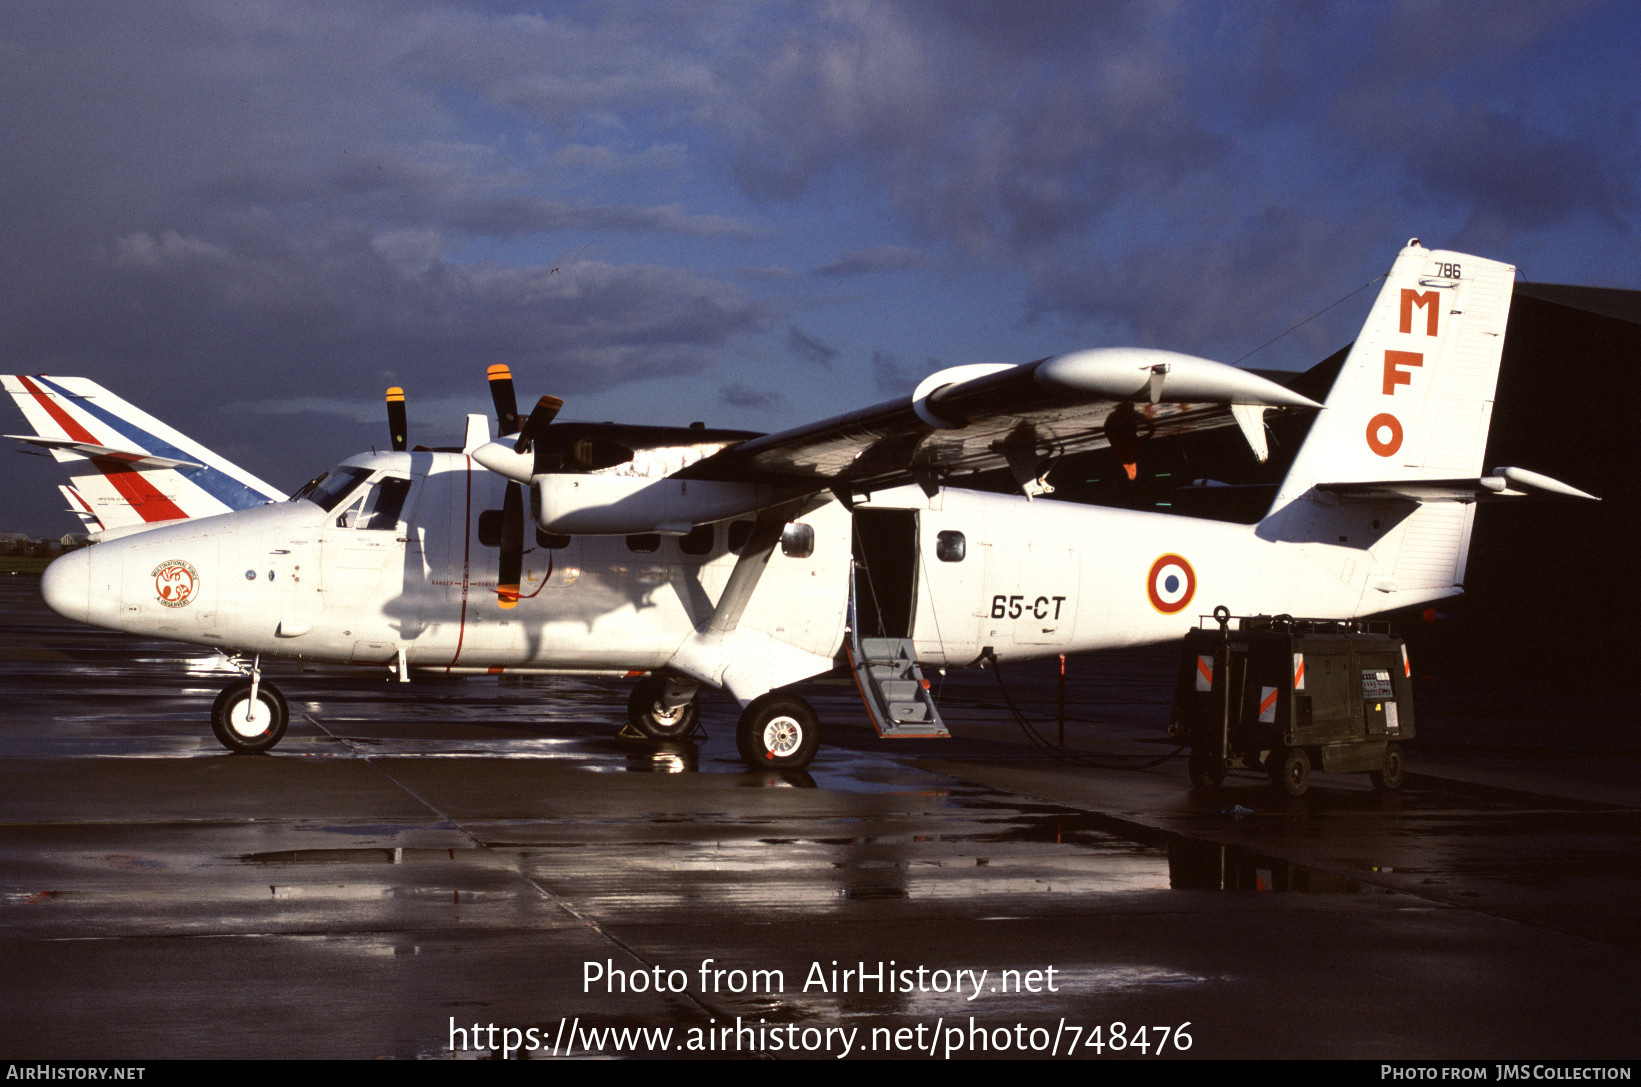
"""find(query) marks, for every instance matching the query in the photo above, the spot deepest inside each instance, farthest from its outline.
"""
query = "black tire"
(778, 732)
(1290, 770)
(1390, 778)
(1207, 773)
(646, 714)
(242, 737)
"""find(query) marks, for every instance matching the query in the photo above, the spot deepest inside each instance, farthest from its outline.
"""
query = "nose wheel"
(248, 726)
(778, 732)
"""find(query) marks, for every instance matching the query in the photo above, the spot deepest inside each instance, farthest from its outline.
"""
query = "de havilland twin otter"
(698, 558)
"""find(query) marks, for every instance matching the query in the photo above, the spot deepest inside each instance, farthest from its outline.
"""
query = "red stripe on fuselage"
(467, 539)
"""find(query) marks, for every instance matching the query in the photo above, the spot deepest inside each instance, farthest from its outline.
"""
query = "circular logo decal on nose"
(1171, 584)
(175, 582)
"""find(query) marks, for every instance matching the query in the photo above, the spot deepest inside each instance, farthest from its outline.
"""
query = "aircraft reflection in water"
(698, 557)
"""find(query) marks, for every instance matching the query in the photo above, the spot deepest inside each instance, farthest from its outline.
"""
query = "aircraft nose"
(66, 586)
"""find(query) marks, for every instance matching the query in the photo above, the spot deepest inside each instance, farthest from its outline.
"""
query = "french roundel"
(1171, 584)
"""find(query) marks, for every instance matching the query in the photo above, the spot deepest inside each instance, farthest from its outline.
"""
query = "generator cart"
(1288, 695)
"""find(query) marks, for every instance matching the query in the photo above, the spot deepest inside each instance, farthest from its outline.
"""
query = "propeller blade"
(511, 567)
(501, 394)
(396, 417)
(547, 409)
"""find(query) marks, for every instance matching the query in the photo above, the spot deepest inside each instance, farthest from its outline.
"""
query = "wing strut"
(749, 568)
(745, 661)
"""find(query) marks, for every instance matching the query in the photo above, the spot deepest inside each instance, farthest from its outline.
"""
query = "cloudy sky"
(251, 217)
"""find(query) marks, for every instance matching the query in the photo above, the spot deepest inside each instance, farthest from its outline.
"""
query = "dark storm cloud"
(810, 349)
(382, 146)
(741, 395)
(891, 378)
(1100, 149)
(290, 309)
(306, 197)
(982, 126)
(289, 189)
(880, 258)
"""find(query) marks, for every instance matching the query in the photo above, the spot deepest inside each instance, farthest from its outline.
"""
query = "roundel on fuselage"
(1171, 584)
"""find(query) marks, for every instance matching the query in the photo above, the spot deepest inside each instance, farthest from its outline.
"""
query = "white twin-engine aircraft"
(694, 557)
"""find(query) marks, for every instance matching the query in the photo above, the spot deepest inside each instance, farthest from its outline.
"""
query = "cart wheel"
(1206, 772)
(1390, 778)
(1290, 770)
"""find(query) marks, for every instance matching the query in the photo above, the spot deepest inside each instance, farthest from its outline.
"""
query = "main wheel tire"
(244, 729)
(778, 732)
(1290, 770)
(1206, 772)
(1390, 778)
(646, 713)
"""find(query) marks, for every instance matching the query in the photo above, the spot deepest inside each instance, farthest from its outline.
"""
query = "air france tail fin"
(127, 468)
(1384, 487)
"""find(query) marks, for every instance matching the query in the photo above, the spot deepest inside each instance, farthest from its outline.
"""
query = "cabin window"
(644, 543)
(739, 531)
(552, 541)
(950, 547)
(698, 541)
(490, 522)
(798, 540)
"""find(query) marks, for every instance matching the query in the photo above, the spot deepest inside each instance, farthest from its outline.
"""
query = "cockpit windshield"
(327, 489)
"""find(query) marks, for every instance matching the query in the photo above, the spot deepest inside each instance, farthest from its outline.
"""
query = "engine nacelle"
(601, 505)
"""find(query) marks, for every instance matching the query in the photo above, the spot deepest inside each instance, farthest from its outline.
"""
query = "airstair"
(891, 685)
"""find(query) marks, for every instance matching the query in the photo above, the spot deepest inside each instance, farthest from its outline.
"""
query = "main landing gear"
(250, 716)
(778, 731)
(664, 707)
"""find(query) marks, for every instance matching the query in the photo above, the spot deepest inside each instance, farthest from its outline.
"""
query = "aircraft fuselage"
(398, 557)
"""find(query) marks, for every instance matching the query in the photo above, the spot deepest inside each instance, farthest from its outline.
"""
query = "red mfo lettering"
(1397, 363)
(1384, 434)
(1425, 300)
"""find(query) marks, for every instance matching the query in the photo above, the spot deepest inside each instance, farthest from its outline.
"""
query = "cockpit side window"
(377, 507)
(386, 503)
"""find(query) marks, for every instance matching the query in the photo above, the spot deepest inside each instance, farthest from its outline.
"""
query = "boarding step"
(892, 687)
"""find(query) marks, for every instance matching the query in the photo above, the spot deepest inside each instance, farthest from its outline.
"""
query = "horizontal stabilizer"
(1503, 483)
(79, 507)
(130, 457)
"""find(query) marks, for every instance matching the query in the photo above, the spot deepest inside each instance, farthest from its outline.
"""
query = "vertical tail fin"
(1411, 404)
(1415, 395)
(126, 467)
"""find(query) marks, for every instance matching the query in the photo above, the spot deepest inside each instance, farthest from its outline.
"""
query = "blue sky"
(251, 218)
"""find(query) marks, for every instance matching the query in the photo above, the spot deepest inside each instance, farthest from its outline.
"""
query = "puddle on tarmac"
(1072, 850)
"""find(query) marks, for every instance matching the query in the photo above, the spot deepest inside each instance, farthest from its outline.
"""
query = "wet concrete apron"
(416, 861)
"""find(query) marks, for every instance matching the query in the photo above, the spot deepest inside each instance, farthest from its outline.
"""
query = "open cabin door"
(882, 599)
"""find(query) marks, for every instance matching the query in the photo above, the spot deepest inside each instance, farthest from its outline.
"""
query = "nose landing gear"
(249, 716)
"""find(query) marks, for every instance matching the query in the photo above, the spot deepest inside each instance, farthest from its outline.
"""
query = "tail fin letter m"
(1429, 301)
